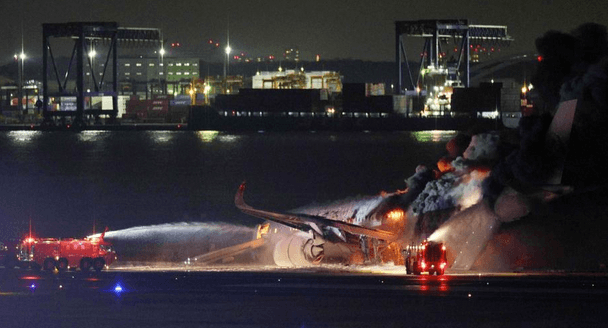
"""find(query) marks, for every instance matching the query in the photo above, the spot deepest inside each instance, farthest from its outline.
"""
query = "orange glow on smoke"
(394, 220)
(445, 165)
(395, 215)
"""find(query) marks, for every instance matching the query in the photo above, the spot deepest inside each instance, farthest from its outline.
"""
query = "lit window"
(170, 64)
(138, 73)
(178, 73)
(127, 73)
(151, 64)
(187, 64)
(138, 64)
(194, 73)
(161, 73)
(88, 73)
(194, 64)
(170, 73)
(127, 65)
(178, 64)
(186, 73)
(162, 64)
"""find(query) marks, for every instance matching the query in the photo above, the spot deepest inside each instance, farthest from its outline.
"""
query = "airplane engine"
(298, 249)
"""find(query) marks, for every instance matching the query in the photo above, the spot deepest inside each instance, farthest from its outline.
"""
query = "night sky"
(354, 29)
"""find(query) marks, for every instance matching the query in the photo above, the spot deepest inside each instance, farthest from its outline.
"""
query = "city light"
(228, 50)
(92, 53)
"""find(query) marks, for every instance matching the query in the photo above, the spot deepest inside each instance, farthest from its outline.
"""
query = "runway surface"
(143, 296)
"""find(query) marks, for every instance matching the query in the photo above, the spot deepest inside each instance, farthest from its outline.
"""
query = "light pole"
(161, 70)
(20, 79)
(16, 57)
(92, 55)
(226, 68)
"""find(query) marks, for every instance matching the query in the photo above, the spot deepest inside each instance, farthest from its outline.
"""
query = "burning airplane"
(474, 196)
(534, 197)
(445, 204)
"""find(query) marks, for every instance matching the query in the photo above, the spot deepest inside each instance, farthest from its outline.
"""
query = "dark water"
(67, 182)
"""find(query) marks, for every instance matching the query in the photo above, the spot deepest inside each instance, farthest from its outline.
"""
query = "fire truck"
(63, 254)
(428, 257)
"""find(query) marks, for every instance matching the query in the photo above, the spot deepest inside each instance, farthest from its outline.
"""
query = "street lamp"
(226, 63)
(21, 56)
(92, 55)
(227, 60)
(161, 70)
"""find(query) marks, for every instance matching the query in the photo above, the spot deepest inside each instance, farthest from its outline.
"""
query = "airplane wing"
(225, 253)
(306, 222)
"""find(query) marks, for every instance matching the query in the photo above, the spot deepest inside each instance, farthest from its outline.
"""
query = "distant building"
(140, 74)
(179, 69)
(180, 72)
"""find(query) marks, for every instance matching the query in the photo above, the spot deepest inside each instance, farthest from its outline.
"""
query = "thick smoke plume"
(572, 67)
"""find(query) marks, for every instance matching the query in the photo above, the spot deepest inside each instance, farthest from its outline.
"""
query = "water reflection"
(23, 137)
(434, 135)
(161, 136)
(207, 136)
(88, 135)
(229, 138)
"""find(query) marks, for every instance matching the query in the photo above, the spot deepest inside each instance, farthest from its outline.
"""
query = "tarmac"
(307, 297)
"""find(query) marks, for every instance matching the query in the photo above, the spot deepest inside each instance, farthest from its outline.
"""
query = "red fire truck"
(63, 254)
(428, 257)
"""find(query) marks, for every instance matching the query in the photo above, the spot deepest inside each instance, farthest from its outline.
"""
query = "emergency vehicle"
(428, 257)
(63, 254)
